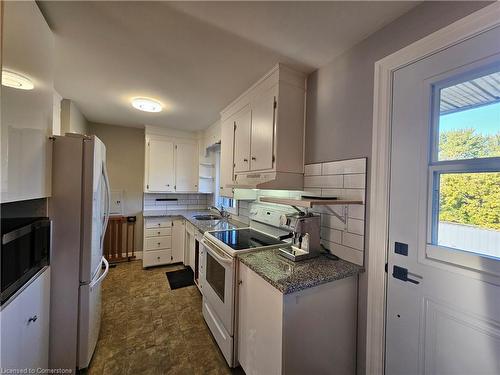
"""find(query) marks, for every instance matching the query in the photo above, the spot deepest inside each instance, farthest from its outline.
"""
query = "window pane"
(469, 212)
(469, 119)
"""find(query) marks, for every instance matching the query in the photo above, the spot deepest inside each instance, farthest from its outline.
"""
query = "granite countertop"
(202, 225)
(289, 277)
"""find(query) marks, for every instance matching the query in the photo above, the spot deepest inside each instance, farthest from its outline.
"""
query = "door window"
(465, 165)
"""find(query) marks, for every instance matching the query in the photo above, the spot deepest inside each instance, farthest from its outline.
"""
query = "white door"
(186, 167)
(263, 125)
(443, 301)
(161, 175)
(242, 124)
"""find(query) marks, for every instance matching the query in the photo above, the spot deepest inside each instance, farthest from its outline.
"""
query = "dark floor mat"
(181, 278)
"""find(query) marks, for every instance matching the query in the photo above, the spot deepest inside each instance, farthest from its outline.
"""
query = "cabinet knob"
(245, 160)
(158, 258)
(254, 158)
(159, 232)
(240, 282)
(32, 319)
(159, 243)
(168, 184)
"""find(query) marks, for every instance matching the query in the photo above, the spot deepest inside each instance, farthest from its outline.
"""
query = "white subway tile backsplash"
(353, 240)
(356, 226)
(331, 235)
(179, 202)
(347, 253)
(312, 170)
(354, 181)
(336, 181)
(331, 221)
(357, 211)
(344, 167)
(346, 180)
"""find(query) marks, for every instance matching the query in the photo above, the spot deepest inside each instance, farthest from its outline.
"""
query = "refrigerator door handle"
(102, 276)
(108, 200)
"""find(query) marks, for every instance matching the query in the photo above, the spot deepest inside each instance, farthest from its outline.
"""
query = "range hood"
(268, 180)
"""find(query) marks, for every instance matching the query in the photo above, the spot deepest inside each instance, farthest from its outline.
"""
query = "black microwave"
(25, 251)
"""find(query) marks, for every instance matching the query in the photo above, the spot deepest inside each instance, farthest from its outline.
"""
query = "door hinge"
(275, 104)
(176, 147)
(234, 126)
(171, 257)
(274, 158)
(172, 224)
(175, 187)
(148, 143)
(386, 267)
(147, 186)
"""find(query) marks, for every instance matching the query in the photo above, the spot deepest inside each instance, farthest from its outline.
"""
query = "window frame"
(436, 168)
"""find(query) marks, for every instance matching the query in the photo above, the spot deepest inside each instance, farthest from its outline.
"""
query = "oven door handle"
(214, 251)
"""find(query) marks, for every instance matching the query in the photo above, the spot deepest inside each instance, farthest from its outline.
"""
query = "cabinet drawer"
(155, 232)
(156, 258)
(157, 222)
(157, 243)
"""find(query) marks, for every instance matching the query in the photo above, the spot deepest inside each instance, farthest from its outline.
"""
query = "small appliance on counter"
(305, 235)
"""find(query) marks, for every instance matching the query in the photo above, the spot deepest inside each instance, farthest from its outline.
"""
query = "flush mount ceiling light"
(16, 80)
(146, 105)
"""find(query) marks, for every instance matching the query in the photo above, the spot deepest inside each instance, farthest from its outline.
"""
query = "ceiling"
(195, 57)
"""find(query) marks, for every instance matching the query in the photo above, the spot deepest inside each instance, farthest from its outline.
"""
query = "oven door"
(218, 283)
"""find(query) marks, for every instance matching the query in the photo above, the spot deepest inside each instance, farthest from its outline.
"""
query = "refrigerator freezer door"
(89, 322)
(96, 208)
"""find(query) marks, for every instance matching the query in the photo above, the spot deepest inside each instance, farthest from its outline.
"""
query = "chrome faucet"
(222, 212)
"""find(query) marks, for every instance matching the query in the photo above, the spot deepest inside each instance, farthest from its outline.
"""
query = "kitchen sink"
(207, 217)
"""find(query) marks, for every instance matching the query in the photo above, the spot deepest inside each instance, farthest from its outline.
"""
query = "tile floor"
(149, 329)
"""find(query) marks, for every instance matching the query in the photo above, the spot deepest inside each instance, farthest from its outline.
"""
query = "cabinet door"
(226, 157)
(160, 159)
(25, 326)
(242, 124)
(178, 234)
(26, 123)
(260, 331)
(186, 167)
(263, 123)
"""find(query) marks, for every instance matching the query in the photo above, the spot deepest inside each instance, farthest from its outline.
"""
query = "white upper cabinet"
(226, 157)
(186, 167)
(171, 165)
(160, 171)
(26, 119)
(242, 124)
(263, 124)
(263, 134)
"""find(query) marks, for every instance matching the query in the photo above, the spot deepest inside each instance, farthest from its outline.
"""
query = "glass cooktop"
(241, 239)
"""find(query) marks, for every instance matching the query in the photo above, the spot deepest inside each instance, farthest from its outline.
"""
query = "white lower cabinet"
(163, 241)
(24, 327)
(312, 331)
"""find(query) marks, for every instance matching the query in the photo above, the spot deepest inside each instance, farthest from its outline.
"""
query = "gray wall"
(340, 102)
(125, 164)
(72, 120)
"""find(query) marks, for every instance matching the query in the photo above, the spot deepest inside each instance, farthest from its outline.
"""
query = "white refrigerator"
(79, 209)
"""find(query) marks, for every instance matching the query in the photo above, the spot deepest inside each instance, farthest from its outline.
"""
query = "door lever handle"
(401, 273)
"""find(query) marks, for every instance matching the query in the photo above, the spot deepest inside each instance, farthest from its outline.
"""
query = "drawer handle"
(254, 158)
(32, 319)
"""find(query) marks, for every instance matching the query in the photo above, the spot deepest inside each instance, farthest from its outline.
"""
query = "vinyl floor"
(149, 329)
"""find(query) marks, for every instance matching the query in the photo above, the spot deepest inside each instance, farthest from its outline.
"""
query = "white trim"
(475, 23)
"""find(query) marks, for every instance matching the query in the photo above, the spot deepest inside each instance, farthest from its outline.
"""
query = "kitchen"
(249, 171)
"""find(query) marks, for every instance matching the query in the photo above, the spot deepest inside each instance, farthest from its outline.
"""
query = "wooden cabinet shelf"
(308, 202)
